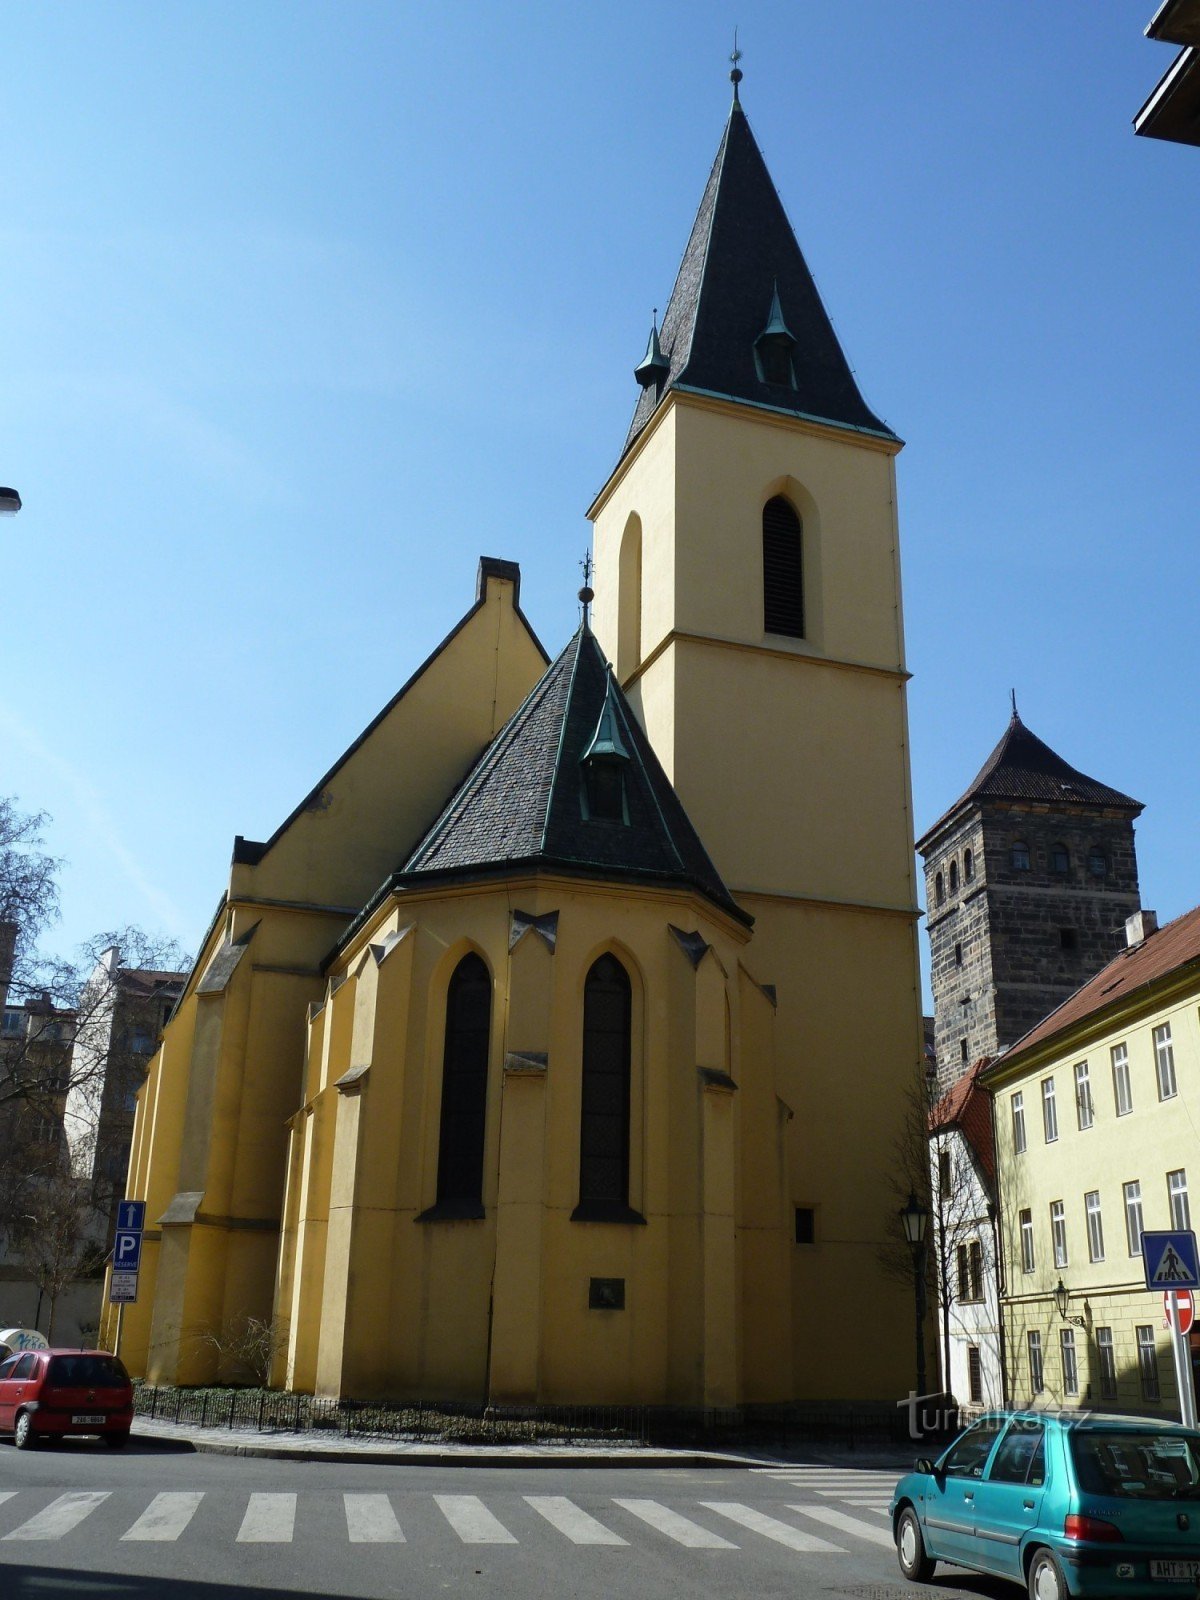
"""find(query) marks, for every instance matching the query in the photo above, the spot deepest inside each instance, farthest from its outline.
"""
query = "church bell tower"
(748, 594)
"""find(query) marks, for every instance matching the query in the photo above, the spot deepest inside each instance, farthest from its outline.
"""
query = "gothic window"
(954, 877)
(1097, 862)
(939, 889)
(783, 570)
(1060, 858)
(968, 866)
(604, 1114)
(464, 1084)
(1020, 856)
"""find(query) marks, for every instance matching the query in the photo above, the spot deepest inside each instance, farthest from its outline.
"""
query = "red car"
(45, 1394)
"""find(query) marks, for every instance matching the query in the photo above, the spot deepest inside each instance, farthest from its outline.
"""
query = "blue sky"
(306, 306)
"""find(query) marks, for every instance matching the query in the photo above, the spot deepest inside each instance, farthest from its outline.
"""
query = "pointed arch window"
(464, 1088)
(605, 1099)
(954, 877)
(783, 569)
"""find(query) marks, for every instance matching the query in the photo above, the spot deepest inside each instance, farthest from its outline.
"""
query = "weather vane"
(735, 77)
(586, 595)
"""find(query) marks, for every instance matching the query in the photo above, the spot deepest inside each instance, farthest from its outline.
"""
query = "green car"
(1064, 1503)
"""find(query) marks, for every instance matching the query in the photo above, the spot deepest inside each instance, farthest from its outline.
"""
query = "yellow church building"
(555, 1047)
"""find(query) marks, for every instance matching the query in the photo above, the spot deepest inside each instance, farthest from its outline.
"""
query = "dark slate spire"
(654, 366)
(522, 804)
(741, 254)
(1023, 767)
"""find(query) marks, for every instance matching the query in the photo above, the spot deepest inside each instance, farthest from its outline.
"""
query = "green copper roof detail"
(606, 743)
(653, 366)
(776, 327)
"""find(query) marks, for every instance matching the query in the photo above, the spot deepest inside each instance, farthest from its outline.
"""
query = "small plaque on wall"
(606, 1294)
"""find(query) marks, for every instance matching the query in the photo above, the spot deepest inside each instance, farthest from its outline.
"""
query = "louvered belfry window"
(604, 1120)
(783, 570)
(464, 1082)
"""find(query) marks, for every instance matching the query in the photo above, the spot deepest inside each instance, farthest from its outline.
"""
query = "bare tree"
(52, 1240)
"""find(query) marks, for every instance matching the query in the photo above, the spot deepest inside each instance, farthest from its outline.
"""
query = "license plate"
(1176, 1571)
(78, 1422)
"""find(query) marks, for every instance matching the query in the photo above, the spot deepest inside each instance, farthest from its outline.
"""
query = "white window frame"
(1018, 1122)
(1147, 1352)
(1070, 1361)
(975, 1374)
(1037, 1367)
(1058, 1232)
(1122, 1088)
(1085, 1111)
(1095, 1225)
(1132, 1195)
(1028, 1257)
(1106, 1361)
(1164, 1062)
(1177, 1199)
(1049, 1110)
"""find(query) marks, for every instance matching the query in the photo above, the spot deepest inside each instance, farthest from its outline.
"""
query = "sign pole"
(117, 1340)
(1183, 1364)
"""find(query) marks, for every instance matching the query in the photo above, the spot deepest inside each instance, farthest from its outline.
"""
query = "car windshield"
(1142, 1465)
(87, 1372)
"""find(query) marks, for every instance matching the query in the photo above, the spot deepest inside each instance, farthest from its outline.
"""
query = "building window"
(970, 1272)
(1018, 1121)
(1058, 1232)
(1177, 1195)
(604, 783)
(1085, 1112)
(1133, 1217)
(1148, 1364)
(1108, 1363)
(1122, 1092)
(1095, 1225)
(1020, 856)
(958, 955)
(1049, 1111)
(1097, 862)
(945, 1175)
(962, 1049)
(1060, 858)
(974, 1375)
(1070, 1366)
(954, 877)
(1027, 1260)
(12, 1023)
(968, 866)
(1164, 1062)
(806, 1225)
(464, 1084)
(1033, 1340)
(939, 890)
(604, 1119)
(1068, 939)
(783, 569)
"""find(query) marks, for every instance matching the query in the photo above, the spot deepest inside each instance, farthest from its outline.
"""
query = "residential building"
(962, 1187)
(1097, 1111)
(1029, 877)
(576, 1078)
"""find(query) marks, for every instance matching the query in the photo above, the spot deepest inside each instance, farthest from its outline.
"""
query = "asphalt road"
(160, 1522)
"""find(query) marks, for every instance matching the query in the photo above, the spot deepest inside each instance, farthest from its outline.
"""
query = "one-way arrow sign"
(1170, 1260)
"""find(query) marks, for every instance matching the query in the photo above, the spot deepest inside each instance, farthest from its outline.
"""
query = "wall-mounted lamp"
(1062, 1299)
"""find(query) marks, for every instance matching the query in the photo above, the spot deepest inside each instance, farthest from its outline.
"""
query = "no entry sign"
(1187, 1310)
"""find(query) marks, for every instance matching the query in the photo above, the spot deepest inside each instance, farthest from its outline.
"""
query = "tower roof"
(521, 805)
(1023, 767)
(743, 266)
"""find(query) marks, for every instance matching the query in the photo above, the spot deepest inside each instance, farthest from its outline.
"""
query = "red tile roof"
(968, 1106)
(1171, 948)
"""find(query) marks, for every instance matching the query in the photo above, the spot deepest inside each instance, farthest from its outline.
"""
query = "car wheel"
(915, 1564)
(23, 1435)
(116, 1441)
(1046, 1581)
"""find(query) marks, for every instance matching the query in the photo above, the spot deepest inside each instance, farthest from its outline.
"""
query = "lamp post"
(1062, 1299)
(914, 1219)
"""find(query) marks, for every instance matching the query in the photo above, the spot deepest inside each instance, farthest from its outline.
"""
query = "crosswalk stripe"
(572, 1520)
(846, 1524)
(770, 1528)
(471, 1519)
(269, 1519)
(371, 1520)
(61, 1515)
(855, 1497)
(676, 1527)
(7, 1494)
(165, 1517)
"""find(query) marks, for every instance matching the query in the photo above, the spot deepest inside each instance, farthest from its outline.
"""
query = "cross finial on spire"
(586, 596)
(735, 77)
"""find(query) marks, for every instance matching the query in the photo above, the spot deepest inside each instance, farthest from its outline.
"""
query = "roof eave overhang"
(1172, 112)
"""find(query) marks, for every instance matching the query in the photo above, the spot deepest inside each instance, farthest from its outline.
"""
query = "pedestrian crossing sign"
(1170, 1260)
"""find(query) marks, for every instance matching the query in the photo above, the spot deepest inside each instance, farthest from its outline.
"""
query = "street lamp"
(1062, 1299)
(10, 502)
(914, 1219)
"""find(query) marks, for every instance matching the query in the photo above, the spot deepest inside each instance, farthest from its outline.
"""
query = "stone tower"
(1029, 878)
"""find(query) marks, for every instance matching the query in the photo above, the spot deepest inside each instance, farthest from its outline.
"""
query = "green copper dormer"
(603, 765)
(742, 257)
(654, 366)
(774, 346)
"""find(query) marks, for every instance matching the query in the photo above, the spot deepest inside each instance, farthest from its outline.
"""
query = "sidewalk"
(322, 1445)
